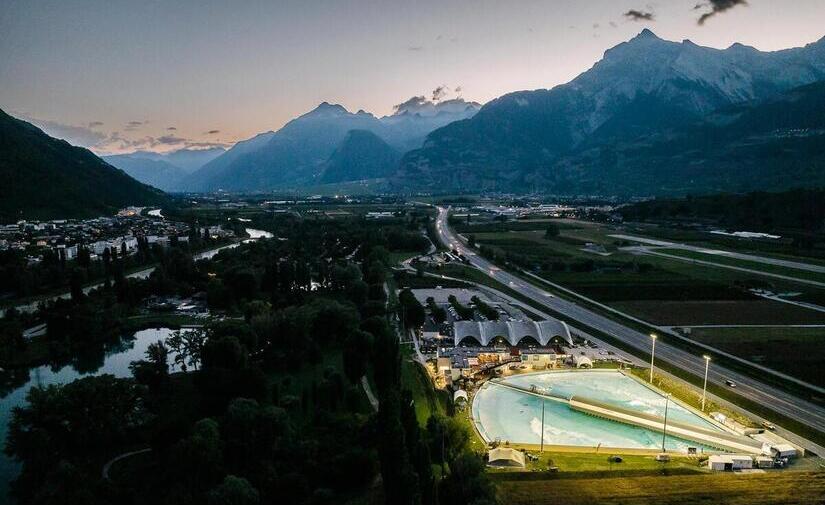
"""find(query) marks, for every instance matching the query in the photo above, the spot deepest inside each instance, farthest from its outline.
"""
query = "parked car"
(768, 426)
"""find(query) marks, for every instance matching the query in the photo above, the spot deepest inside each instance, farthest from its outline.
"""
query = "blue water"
(115, 362)
(508, 415)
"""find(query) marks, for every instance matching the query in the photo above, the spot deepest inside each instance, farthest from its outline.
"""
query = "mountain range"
(627, 126)
(653, 117)
(297, 154)
(46, 178)
(164, 171)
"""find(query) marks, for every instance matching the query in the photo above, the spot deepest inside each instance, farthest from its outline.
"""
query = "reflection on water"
(112, 359)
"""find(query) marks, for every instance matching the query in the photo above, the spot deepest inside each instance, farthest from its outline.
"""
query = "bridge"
(721, 440)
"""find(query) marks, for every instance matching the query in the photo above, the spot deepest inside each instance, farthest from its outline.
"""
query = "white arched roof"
(513, 331)
(460, 394)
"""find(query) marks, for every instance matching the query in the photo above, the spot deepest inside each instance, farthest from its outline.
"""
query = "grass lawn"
(576, 464)
(780, 487)
(427, 399)
(795, 351)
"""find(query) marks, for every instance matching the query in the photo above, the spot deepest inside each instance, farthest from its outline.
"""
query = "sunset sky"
(120, 75)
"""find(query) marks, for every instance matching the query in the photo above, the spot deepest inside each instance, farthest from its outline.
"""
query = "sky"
(123, 75)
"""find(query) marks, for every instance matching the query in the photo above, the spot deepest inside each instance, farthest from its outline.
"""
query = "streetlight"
(664, 428)
(705, 386)
(652, 354)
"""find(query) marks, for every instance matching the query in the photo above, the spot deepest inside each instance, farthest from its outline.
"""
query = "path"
(368, 391)
(108, 465)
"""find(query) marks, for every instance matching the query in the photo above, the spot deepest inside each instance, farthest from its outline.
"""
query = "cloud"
(171, 129)
(212, 132)
(716, 7)
(206, 145)
(440, 92)
(596, 26)
(634, 15)
(133, 125)
(170, 140)
(76, 135)
(415, 48)
(410, 104)
(613, 24)
(94, 124)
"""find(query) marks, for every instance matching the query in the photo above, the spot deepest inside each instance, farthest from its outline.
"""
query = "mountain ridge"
(47, 178)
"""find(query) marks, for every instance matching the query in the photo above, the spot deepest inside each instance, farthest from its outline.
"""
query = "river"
(254, 234)
(115, 362)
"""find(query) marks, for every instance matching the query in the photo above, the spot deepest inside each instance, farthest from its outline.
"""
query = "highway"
(775, 399)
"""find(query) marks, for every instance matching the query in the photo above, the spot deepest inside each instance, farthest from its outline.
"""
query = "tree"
(411, 309)
(154, 370)
(187, 345)
(552, 231)
(79, 422)
(357, 349)
(234, 491)
(467, 482)
(197, 461)
(76, 285)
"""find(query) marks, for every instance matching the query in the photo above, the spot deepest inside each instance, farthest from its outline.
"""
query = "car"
(768, 425)
(730, 383)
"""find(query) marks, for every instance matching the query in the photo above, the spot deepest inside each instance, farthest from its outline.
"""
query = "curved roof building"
(512, 331)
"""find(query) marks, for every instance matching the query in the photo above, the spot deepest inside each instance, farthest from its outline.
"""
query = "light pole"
(705, 386)
(542, 425)
(652, 355)
(664, 428)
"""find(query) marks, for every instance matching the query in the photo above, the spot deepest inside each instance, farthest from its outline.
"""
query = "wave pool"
(503, 414)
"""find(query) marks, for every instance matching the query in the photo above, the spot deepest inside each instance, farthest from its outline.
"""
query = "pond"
(115, 362)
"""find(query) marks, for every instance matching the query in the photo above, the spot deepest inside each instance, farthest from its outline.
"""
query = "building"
(723, 462)
(537, 333)
(783, 451)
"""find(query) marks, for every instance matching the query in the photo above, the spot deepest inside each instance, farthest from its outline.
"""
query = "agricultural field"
(793, 350)
(727, 312)
(772, 488)
(638, 284)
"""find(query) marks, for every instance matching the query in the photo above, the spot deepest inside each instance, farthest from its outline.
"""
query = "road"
(777, 400)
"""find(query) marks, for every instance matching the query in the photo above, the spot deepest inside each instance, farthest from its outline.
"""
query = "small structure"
(582, 361)
(460, 398)
(505, 457)
(783, 451)
(764, 462)
(729, 462)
